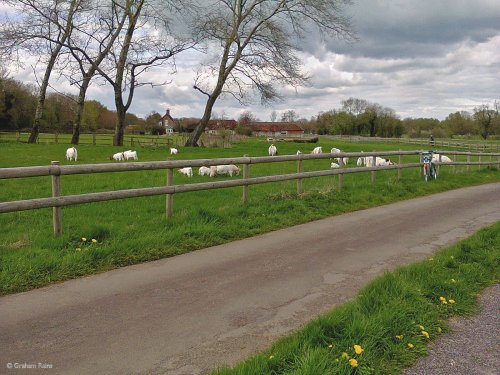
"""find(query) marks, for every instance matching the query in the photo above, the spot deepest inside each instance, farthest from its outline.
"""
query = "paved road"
(191, 313)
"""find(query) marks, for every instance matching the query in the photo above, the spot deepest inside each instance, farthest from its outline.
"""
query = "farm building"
(275, 128)
(214, 126)
(168, 122)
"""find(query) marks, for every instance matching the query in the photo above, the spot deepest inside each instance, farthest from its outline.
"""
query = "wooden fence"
(57, 201)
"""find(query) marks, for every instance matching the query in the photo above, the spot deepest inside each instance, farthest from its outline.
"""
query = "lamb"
(444, 158)
(273, 151)
(337, 151)
(317, 150)
(129, 154)
(334, 165)
(187, 171)
(118, 156)
(204, 171)
(173, 151)
(71, 154)
(228, 169)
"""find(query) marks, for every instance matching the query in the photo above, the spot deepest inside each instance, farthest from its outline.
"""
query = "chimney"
(168, 112)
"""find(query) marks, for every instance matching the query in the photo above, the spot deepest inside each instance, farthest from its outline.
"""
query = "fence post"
(299, 181)
(170, 197)
(420, 169)
(341, 175)
(479, 160)
(93, 139)
(374, 164)
(468, 161)
(454, 161)
(245, 176)
(439, 165)
(400, 174)
(56, 192)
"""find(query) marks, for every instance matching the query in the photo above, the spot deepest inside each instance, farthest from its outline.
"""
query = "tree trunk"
(198, 131)
(120, 125)
(35, 130)
(75, 139)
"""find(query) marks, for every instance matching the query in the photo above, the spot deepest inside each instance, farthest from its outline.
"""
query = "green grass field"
(136, 230)
(391, 321)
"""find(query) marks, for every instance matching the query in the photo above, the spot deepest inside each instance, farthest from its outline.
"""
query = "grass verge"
(389, 324)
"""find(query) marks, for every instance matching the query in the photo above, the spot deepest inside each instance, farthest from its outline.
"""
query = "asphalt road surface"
(192, 313)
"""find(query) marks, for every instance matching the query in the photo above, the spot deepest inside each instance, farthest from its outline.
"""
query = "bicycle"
(429, 168)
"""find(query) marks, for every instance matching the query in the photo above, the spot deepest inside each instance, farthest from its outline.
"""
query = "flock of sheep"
(231, 169)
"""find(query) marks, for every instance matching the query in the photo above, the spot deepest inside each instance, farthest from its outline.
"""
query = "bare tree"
(144, 43)
(40, 27)
(254, 40)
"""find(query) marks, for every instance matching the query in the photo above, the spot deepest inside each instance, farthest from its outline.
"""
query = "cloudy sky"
(425, 58)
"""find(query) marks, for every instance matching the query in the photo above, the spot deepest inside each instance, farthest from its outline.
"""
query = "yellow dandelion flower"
(330, 346)
(426, 334)
(444, 302)
(78, 249)
(84, 239)
(353, 362)
(345, 355)
(358, 349)
(271, 356)
(442, 299)
(410, 345)
(453, 281)
(94, 240)
(336, 360)
(399, 337)
(422, 328)
(439, 329)
(452, 301)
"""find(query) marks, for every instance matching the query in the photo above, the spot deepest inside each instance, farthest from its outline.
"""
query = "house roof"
(274, 126)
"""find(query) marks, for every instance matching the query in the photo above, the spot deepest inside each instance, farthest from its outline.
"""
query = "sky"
(425, 58)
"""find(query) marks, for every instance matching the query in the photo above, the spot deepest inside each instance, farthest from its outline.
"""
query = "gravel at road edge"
(471, 348)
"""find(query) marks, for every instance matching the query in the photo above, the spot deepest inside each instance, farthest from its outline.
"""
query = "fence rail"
(55, 171)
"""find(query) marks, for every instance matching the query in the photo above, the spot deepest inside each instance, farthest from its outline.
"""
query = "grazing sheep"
(129, 154)
(71, 154)
(204, 171)
(273, 151)
(299, 152)
(213, 171)
(228, 169)
(444, 158)
(173, 151)
(334, 165)
(118, 156)
(379, 162)
(360, 162)
(187, 171)
(317, 150)
(337, 151)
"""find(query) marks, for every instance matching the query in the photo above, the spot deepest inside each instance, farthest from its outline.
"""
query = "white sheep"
(228, 169)
(317, 150)
(118, 156)
(337, 151)
(360, 162)
(273, 151)
(71, 154)
(129, 154)
(187, 171)
(299, 152)
(213, 171)
(379, 162)
(173, 151)
(444, 158)
(204, 171)
(334, 165)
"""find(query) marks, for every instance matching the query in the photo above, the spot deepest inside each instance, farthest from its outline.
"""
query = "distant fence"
(443, 143)
(57, 201)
